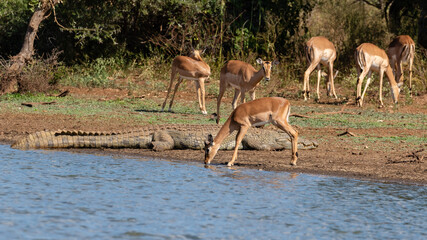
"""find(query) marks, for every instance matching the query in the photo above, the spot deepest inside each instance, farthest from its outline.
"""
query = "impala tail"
(360, 59)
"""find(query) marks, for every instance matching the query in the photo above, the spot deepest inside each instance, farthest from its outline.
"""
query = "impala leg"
(293, 134)
(368, 81)
(203, 93)
(393, 66)
(319, 75)
(381, 88)
(239, 137)
(198, 93)
(222, 88)
(242, 96)
(411, 61)
(173, 73)
(214, 149)
(252, 95)
(200, 89)
(399, 75)
(237, 94)
(306, 89)
(331, 80)
(362, 75)
(174, 92)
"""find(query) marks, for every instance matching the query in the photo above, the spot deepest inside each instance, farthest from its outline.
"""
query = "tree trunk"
(9, 80)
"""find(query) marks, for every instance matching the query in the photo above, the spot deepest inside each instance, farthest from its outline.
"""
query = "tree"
(11, 78)
(403, 16)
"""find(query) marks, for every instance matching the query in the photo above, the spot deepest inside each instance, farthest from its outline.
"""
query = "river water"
(62, 195)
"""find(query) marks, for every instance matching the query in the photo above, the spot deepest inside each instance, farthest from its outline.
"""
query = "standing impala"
(274, 110)
(319, 50)
(372, 58)
(192, 68)
(243, 78)
(402, 50)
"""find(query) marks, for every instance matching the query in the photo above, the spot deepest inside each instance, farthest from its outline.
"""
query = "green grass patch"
(359, 119)
(132, 109)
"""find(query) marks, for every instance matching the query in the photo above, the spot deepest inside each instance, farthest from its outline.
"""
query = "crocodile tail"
(79, 139)
(22, 143)
(43, 139)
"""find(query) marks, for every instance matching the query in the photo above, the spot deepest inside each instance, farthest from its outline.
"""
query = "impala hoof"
(204, 112)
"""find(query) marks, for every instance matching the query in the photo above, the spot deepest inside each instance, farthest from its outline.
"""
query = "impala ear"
(209, 140)
(259, 61)
(275, 62)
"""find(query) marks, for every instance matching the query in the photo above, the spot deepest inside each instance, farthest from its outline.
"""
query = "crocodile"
(158, 138)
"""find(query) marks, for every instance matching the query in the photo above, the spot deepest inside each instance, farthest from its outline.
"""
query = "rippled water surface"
(60, 195)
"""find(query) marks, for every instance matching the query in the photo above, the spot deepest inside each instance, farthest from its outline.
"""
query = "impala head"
(195, 53)
(266, 66)
(395, 90)
(209, 151)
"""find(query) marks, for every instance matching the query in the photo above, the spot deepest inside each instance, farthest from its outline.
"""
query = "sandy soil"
(336, 156)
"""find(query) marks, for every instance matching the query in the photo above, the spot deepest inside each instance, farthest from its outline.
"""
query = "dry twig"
(347, 133)
(30, 104)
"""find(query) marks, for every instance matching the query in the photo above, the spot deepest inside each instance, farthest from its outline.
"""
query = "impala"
(372, 58)
(243, 78)
(402, 50)
(320, 50)
(274, 110)
(192, 68)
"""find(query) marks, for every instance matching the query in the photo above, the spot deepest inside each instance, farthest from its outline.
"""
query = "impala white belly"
(375, 67)
(379, 63)
(327, 54)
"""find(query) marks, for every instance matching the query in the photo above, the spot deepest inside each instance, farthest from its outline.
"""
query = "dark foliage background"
(99, 42)
(228, 28)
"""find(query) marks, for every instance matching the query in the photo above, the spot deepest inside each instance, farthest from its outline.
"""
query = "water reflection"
(59, 195)
(242, 174)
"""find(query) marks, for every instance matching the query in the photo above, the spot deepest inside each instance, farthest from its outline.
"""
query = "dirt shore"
(336, 155)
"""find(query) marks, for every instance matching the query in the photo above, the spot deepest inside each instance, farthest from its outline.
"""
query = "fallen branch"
(39, 103)
(64, 93)
(299, 115)
(417, 155)
(347, 133)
